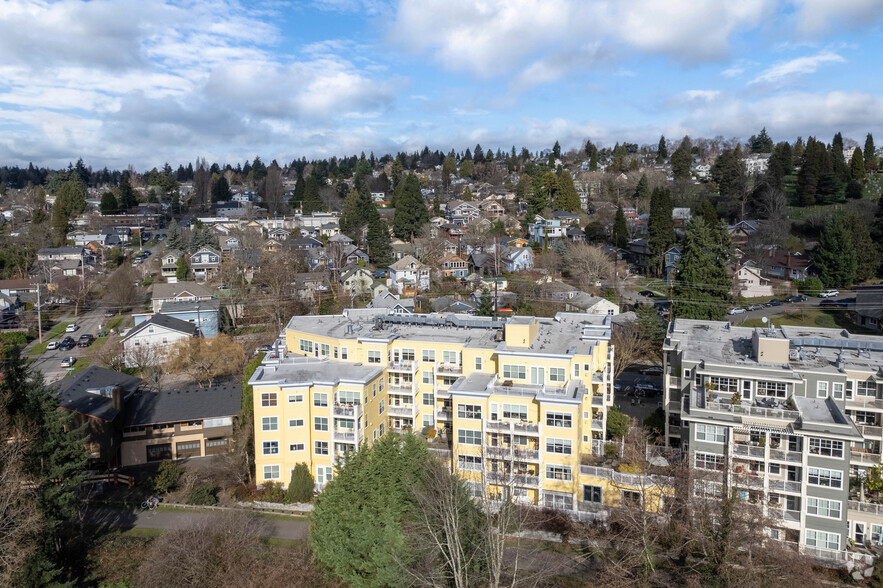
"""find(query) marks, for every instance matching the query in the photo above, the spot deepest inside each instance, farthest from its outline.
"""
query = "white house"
(584, 302)
(148, 343)
(748, 283)
(407, 276)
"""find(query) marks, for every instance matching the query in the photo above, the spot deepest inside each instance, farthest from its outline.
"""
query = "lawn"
(827, 319)
(82, 363)
(114, 322)
(57, 331)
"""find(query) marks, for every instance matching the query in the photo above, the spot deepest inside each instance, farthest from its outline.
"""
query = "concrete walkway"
(182, 520)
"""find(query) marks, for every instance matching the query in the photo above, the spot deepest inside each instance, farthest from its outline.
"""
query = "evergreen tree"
(620, 161)
(761, 143)
(467, 168)
(841, 170)
(300, 489)
(173, 235)
(661, 151)
(109, 203)
(312, 201)
(436, 206)
(682, 160)
(660, 226)
(857, 166)
(485, 304)
(870, 153)
(363, 172)
(127, 197)
(545, 188)
(707, 211)
(297, 198)
(566, 198)
(835, 258)
(593, 159)
(467, 195)
(812, 166)
(867, 256)
(398, 172)
(379, 247)
(410, 210)
(728, 172)
(556, 150)
(620, 230)
(181, 269)
(642, 190)
(221, 190)
(702, 287)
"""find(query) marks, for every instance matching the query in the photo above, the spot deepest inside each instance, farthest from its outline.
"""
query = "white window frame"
(469, 463)
(295, 398)
(320, 399)
(270, 423)
(469, 411)
(557, 374)
(821, 389)
(513, 371)
(428, 355)
(826, 447)
(717, 434)
(478, 363)
(321, 447)
(559, 446)
(469, 436)
(824, 477)
(561, 420)
(269, 399)
(559, 472)
(824, 508)
(268, 446)
(295, 423)
(321, 424)
(272, 472)
(295, 447)
(709, 461)
(822, 539)
(514, 411)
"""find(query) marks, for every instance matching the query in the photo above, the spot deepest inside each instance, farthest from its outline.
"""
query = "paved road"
(812, 303)
(637, 407)
(181, 520)
(49, 362)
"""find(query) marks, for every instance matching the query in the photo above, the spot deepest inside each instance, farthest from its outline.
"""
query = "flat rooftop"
(298, 369)
(478, 383)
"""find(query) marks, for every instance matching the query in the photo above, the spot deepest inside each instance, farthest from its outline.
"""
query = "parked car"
(647, 293)
(109, 313)
(68, 362)
(797, 298)
(52, 345)
(775, 302)
(67, 344)
(653, 370)
(71, 328)
(85, 340)
(736, 310)
(833, 303)
(265, 348)
(754, 307)
(829, 294)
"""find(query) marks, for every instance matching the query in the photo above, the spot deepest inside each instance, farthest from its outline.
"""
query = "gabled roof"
(175, 306)
(404, 262)
(164, 291)
(166, 322)
(82, 392)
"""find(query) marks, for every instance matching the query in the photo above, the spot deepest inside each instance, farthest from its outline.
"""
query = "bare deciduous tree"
(110, 355)
(275, 279)
(588, 264)
(121, 291)
(75, 289)
(630, 345)
(19, 517)
(204, 360)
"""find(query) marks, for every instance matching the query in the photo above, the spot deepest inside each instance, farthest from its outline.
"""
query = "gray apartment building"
(785, 416)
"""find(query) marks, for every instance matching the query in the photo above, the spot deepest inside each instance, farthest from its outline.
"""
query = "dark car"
(647, 293)
(775, 302)
(652, 371)
(799, 298)
(67, 344)
(85, 340)
(109, 313)
(833, 303)
(265, 348)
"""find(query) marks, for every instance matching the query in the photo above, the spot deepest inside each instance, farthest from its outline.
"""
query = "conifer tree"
(702, 286)
(312, 202)
(297, 196)
(109, 203)
(410, 209)
(566, 198)
(127, 197)
(593, 159)
(173, 235)
(300, 489)
(867, 255)
(857, 166)
(642, 190)
(835, 258)
(660, 226)
(682, 160)
(870, 154)
(620, 230)
(379, 247)
(661, 151)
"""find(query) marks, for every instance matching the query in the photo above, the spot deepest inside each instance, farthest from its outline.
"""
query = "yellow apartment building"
(515, 402)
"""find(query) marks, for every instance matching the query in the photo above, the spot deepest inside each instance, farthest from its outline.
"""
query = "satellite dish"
(764, 320)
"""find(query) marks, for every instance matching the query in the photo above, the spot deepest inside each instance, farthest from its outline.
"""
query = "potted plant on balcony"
(790, 404)
(762, 442)
(710, 387)
(736, 399)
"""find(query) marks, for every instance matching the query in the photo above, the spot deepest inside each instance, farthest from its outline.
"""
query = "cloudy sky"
(141, 82)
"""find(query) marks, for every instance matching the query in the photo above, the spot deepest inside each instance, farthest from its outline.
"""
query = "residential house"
(453, 304)
(681, 216)
(229, 244)
(354, 255)
(181, 422)
(329, 229)
(96, 396)
(308, 284)
(356, 281)
(453, 266)
(518, 242)
(575, 235)
(459, 213)
(303, 243)
(181, 291)
(491, 208)
(748, 283)
(408, 276)
(485, 264)
(670, 261)
(279, 234)
(789, 266)
(392, 302)
(869, 306)
(584, 302)
(741, 232)
(340, 238)
(205, 314)
(54, 254)
(149, 342)
(25, 288)
(204, 264)
(517, 259)
(545, 232)
(272, 246)
(169, 264)
(565, 218)
(124, 234)
(639, 253)
(400, 249)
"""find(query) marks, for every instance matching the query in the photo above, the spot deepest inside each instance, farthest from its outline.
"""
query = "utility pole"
(39, 316)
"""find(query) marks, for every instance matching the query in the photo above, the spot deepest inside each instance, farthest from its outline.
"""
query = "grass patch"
(57, 331)
(281, 517)
(142, 533)
(82, 363)
(826, 319)
(39, 348)
(281, 542)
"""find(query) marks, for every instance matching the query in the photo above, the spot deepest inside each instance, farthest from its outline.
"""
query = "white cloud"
(704, 95)
(799, 66)
(816, 17)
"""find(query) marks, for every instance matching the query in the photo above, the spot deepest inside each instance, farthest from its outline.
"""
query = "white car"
(52, 345)
(736, 310)
(829, 294)
(71, 328)
(68, 362)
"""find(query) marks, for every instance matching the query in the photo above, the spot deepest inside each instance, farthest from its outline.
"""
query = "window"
(822, 389)
(822, 539)
(373, 356)
(866, 388)
(336, 352)
(321, 447)
(724, 384)
(306, 346)
(428, 399)
(709, 461)
(349, 397)
(450, 357)
(557, 374)
(269, 423)
(324, 474)
(558, 472)
(824, 477)
(514, 372)
(863, 417)
(576, 370)
(324, 350)
(296, 447)
(320, 399)
(774, 468)
(468, 437)
(428, 420)
(295, 423)
(876, 534)
(270, 447)
(515, 411)
(537, 376)
(343, 353)
(711, 433)
(320, 423)
(268, 399)
(271, 472)
(295, 398)
(593, 494)
(630, 498)
(559, 419)
(850, 386)
(469, 462)
(562, 446)
(821, 507)
(776, 389)
(469, 411)
(382, 408)
(429, 355)
(706, 489)
(826, 447)
(837, 389)
(478, 363)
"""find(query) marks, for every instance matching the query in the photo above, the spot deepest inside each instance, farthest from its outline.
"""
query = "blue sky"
(125, 82)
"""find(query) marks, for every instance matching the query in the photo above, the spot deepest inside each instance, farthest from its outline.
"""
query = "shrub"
(301, 487)
(243, 492)
(167, 476)
(611, 450)
(202, 495)
(18, 339)
(810, 286)
(271, 492)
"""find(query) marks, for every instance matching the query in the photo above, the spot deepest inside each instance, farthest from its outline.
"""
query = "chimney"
(116, 395)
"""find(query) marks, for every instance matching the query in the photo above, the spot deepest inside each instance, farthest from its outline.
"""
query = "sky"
(142, 82)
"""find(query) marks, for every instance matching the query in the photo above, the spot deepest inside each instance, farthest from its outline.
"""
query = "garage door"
(188, 449)
(159, 452)
(215, 446)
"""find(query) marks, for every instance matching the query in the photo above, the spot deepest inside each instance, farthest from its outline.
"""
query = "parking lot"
(638, 395)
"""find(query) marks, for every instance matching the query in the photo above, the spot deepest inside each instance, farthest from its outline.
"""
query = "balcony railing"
(402, 366)
(449, 368)
(865, 401)
(745, 450)
(749, 481)
(403, 410)
(868, 507)
(871, 431)
(402, 389)
(785, 486)
(597, 400)
(863, 458)
(344, 436)
(509, 452)
(444, 414)
(510, 426)
(347, 410)
(526, 427)
(521, 480)
(791, 456)
(597, 425)
(674, 382)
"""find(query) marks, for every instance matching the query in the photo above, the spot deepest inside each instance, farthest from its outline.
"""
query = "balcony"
(597, 425)
(745, 450)
(749, 481)
(444, 414)
(789, 456)
(785, 486)
(699, 402)
(523, 428)
(864, 402)
(858, 457)
(598, 377)
(344, 436)
(408, 367)
(527, 454)
(790, 516)
(674, 382)
(520, 480)
(597, 400)
(871, 431)
(402, 389)
(347, 410)
(866, 507)
(449, 369)
(512, 453)
(402, 410)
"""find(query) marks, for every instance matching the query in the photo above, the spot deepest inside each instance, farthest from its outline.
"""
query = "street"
(49, 362)
(810, 304)
(637, 407)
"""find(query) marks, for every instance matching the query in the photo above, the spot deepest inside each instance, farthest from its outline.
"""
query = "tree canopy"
(410, 209)
(835, 258)
(702, 287)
